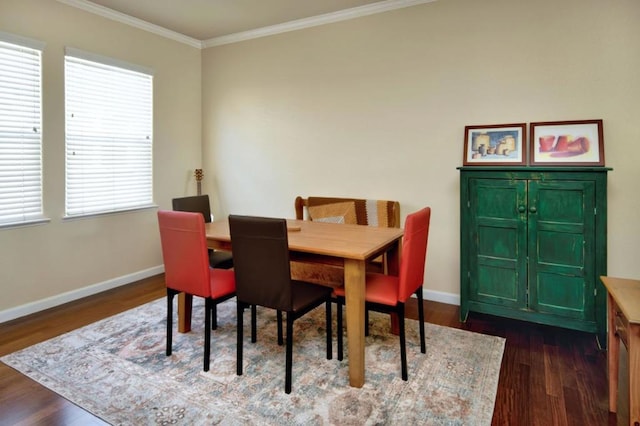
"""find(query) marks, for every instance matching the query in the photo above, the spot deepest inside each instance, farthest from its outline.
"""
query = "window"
(109, 123)
(20, 131)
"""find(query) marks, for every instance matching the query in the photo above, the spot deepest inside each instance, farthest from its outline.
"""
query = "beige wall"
(373, 107)
(376, 107)
(40, 263)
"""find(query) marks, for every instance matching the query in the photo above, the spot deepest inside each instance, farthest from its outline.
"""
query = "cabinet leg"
(464, 313)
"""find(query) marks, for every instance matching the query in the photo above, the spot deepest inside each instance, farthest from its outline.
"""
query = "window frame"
(34, 48)
(98, 142)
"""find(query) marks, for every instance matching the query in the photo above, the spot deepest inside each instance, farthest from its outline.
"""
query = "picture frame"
(567, 143)
(495, 144)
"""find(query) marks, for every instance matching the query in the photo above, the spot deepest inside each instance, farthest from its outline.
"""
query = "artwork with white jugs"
(502, 144)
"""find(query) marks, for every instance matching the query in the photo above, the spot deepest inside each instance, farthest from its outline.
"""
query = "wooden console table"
(624, 324)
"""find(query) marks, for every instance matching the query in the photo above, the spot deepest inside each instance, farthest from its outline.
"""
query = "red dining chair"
(187, 269)
(387, 293)
(263, 276)
(217, 258)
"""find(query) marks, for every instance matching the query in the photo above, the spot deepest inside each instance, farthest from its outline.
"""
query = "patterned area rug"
(117, 370)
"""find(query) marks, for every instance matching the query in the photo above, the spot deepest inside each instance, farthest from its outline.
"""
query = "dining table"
(350, 246)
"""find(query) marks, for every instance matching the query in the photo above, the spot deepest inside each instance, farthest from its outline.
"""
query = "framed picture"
(567, 143)
(496, 144)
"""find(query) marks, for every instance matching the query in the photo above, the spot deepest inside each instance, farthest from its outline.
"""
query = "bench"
(342, 210)
(349, 210)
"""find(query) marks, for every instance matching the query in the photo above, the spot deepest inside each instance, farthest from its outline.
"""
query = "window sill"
(22, 224)
(115, 212)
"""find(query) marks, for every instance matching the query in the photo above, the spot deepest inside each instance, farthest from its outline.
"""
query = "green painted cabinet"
(533, 245)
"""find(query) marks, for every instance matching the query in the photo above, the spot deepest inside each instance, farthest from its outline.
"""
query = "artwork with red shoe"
(572, 143)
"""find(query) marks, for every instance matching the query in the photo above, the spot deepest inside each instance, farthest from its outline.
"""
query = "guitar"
(199, 175)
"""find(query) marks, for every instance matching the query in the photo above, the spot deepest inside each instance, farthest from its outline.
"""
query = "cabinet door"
(561, 248)
(498, 242)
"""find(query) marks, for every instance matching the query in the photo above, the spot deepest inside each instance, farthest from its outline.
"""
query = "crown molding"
(105, 12)
(298, 24)
(327, 18)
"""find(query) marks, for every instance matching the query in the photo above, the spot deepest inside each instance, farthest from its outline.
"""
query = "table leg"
(354, 279)
(613, 354)
(184, 312)
(634, 375)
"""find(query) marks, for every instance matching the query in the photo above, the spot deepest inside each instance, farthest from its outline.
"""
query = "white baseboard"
(50, 302)
(442, 297)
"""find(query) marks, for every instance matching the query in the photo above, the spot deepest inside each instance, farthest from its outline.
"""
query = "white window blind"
(20, 133)
(109, 123)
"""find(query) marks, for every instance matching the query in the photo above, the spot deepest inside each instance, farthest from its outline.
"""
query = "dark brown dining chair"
(388, 293)
(263, 277)
(187, 269)
(200, 203)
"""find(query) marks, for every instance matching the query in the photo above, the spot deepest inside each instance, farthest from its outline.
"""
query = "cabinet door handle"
(522, 209)
(532, 209)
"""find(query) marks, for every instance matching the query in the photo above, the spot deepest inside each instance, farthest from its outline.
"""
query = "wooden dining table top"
(358, 242)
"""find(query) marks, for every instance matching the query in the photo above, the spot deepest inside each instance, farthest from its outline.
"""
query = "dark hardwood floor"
(549, 376)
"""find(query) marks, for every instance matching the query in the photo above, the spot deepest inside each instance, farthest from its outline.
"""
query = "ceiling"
(206, 19)
(212, 22)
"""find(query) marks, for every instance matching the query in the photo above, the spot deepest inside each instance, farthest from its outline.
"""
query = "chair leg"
(207, 331)
(329, 333)
(340, 330)
(170, 295)
(240, 324)
(403, 346)
(423, 347)
(279, 321)
(289, 355)
(214, 317)
(366, 321)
